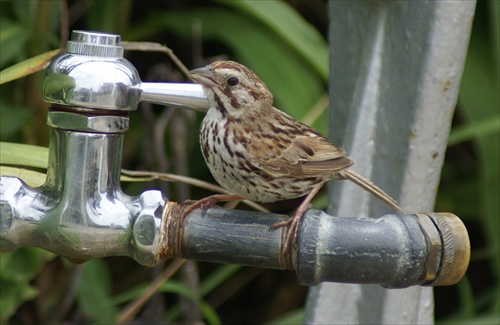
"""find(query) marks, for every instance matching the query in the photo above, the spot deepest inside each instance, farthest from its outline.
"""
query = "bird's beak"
(204, 76)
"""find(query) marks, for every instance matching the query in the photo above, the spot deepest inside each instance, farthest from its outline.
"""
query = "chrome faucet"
(81, 211)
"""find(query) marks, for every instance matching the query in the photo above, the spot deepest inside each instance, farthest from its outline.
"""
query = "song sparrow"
(260, 153)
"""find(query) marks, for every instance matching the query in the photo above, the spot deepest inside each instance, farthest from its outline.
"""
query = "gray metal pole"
(394, 78)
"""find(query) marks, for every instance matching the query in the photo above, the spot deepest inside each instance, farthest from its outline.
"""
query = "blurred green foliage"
(34, 284)
(470, 180)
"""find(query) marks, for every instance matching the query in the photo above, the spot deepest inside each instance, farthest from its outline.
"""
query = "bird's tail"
(368, 186)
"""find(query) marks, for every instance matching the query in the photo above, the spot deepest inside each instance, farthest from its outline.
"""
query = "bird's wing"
(307, 155)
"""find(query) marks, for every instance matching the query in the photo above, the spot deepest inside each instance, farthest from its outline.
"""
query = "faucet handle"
(96, 44)
(93, 74)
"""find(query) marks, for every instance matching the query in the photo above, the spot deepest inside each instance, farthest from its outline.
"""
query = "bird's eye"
(233, 81)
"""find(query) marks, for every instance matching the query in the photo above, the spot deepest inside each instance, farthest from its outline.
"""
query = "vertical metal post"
(394, 78)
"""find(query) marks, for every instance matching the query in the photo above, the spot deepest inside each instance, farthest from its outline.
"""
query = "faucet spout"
(177, 94)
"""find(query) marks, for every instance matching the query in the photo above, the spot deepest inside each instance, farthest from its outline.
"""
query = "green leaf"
(494, 11)
(129, 295)
(13, 39)
(109, 16)
(291, 28)
(32, 178)
(23, 155)
(24, 12)
(219, 276)
(457, 195)
(207, 311)
(27, 67)
(12, 295)
(17, 270)
(484, 319)
(479, 100)
(94, 293)
(174, 287)
(473, 130)
(11, 119)
(466, 296)
(293, 317)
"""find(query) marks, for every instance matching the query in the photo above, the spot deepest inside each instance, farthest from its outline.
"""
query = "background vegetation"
(38, 287)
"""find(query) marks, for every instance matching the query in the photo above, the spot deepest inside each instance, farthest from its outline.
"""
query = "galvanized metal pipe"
(394, 250)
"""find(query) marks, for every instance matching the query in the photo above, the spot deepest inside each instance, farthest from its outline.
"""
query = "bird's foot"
(208, 202)
(293, 228)
(294, 222)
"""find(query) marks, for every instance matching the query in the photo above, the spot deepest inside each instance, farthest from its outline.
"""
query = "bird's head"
(232, 88)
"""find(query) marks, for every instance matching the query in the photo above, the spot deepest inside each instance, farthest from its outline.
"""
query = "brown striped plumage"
(257, 151)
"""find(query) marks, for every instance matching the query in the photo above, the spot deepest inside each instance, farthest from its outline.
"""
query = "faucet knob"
(96, 44)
